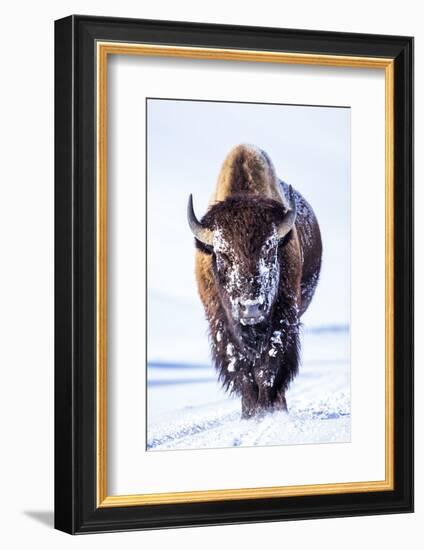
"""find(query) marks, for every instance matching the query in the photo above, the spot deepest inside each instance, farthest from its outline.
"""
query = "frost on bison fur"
(258, 259)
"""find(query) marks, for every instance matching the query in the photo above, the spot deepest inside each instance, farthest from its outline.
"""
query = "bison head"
(243, 234)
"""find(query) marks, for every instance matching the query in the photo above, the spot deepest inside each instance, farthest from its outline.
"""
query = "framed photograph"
(234, 274)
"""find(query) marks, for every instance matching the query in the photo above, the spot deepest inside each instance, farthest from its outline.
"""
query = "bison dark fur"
(258, 259)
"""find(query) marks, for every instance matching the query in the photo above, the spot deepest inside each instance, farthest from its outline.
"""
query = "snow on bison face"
(247, 279)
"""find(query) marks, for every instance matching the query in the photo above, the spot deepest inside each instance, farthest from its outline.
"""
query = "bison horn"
(202, 234)
(289, 218)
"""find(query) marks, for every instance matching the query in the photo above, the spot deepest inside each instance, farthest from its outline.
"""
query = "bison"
(258, 260)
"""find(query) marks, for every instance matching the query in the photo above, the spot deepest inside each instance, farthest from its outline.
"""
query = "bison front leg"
(249, 397)
(265, 378)
(270, 397)
(280, 402)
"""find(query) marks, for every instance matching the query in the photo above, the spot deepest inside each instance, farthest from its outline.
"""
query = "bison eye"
(223, 258)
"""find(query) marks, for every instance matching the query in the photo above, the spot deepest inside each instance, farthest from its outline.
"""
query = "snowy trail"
(188, 410)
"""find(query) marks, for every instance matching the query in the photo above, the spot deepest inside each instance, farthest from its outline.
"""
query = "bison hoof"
(260, 411)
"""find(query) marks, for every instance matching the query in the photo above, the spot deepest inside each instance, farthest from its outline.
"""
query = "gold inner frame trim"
(103, 50)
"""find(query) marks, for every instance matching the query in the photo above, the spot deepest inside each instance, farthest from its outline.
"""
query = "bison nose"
(251, 312)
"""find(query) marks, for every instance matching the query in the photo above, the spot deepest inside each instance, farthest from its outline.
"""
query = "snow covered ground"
(188, 410)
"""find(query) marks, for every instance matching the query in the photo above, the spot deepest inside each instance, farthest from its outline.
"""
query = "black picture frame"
(76, 509)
